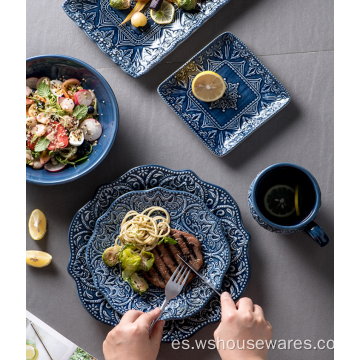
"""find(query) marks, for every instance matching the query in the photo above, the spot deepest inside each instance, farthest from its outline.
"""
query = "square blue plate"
(135, 51)
(252, 97)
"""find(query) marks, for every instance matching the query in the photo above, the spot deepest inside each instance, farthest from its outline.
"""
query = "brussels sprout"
(130, 265)
(111, 255)
(120, 4)
(130, 261)
(138, 283)
(147, 260)
(126, 251)
(186, 4)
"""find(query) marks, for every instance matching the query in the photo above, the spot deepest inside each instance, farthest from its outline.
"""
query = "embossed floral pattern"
(230, 98)
(218, 201)
(188, 213)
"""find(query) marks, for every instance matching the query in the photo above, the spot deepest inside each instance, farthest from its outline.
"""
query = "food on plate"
(161, 11)
(138, 7)
(208, 86)
(138, 283)
(120, 4)
(138, 19)
(186, 4)
(37, 224)
(155, 4)
(61, 123)
(111, 255)
(149, 245)
(38, 259)
(144, 230)
(165, 14)
(167, 259)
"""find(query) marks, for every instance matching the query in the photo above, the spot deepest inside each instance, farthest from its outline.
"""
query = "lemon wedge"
(297, 207)
(37, 225)
(38, 259)
(30, 352)
(208, 86)
(165, 15)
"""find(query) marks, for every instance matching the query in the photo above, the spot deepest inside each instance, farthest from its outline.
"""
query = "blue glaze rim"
(238, 219)
(114, 104)
(212, 149)
(312, 214)
(184, 193)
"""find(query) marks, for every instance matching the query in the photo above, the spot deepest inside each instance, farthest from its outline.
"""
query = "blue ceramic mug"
(291, 176)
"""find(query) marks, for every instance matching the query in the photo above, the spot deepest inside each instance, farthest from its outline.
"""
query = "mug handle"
(316, 233)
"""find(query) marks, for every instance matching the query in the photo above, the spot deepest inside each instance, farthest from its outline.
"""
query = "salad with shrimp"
(62, 124)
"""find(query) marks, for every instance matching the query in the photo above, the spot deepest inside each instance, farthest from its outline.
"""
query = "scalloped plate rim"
(160, 167)
(184, 193)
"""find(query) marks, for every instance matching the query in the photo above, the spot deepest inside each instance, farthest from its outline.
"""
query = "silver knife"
(207, 282)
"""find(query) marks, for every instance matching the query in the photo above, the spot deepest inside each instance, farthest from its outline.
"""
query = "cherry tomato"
(61, 140)
(30, 145)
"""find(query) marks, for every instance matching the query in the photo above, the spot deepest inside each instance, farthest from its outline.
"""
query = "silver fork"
(173, 288)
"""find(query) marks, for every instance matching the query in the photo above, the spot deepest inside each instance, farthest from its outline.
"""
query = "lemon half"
(165, 15)
(37, 225)
(208, 86)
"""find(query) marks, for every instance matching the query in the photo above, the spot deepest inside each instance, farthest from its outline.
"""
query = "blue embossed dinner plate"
(218, 201)
(253, 95)
(135, 51)
(187, 213)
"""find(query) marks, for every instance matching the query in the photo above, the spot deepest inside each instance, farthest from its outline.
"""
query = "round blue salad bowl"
(56, 66)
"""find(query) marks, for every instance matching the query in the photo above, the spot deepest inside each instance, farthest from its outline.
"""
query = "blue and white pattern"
(188, 213)
(219, 202)
(135, 51)
(252, 97)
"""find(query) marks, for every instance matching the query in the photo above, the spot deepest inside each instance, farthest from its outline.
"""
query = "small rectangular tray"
(252, 97)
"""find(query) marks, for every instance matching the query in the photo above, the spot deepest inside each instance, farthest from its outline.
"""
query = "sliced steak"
(166, 259)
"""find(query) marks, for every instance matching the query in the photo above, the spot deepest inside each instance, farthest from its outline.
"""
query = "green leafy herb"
(42, 144)
(50, 152)
(63, 161)
(80, 111)
(35, 155)
(43, 90)
(83, 158)
(33, 139)
(167, 240)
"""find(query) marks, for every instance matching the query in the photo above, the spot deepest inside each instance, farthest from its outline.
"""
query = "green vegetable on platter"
(138, 283)
(147, 260)
(120, 4)
(111, 255)
(186, 4)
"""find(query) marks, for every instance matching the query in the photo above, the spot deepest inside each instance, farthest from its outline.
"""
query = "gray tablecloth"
(292, 278)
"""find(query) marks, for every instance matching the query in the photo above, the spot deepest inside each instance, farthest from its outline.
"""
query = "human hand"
(130, 339)
(243, 329)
